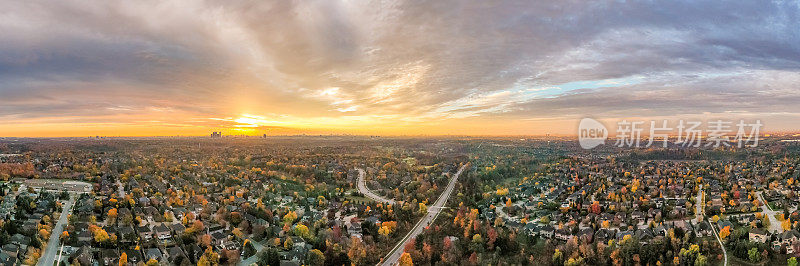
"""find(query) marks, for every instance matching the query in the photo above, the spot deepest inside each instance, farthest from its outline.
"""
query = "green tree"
(701, 261)
(792, 261)
(271, 258)
(754, 255)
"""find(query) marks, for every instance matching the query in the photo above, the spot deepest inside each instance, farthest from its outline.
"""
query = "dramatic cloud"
(391, 67)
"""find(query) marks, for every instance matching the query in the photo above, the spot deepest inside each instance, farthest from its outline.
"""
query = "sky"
(163, 68)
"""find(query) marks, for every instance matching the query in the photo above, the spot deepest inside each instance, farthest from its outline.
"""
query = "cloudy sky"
(121, 68)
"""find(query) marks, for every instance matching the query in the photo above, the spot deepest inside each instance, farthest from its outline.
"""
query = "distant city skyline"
(532, 68)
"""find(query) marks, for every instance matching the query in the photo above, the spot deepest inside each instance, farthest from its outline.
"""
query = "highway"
(433, 211)
(362, 188)
(50, 253)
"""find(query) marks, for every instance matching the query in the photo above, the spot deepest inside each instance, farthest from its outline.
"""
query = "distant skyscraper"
(216, 134)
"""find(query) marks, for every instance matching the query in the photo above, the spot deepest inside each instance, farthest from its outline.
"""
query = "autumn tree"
(288, 244)
(205, 240)
(123, 259)
(209, 258)
(44, 233)
(357, 251)
(302, 231)
(724, 232)
(405, 259)
(315, 258)
(238, 233)
(64, 236)
(111, 216)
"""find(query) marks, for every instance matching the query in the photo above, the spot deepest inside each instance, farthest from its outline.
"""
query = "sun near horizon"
(120, 68)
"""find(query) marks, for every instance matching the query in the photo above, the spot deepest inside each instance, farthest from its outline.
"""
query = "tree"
(724, 232)
(238, 233)
(754, 255)
(701, 261)
(302, 231)
(558, 257)
(231, 256)
(44, 233)
(473, 259)
(574, 261)
(405, 259)
(111, 217)
(477, 239)
(205, 240)
(100, 235)
(288, 244)
(357, 251)
(290, 217)
(197, 226)
(271, 257)
(209, 258)
(315, 258)
(123, 259)
(595, 208)
(791, 261)
(64, 236)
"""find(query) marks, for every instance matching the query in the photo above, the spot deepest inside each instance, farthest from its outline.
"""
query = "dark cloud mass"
(416, 60)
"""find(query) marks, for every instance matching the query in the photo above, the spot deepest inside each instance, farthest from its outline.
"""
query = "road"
(433, 211)
(699, 203)
(50, 253)
(120, 190)
(505, 215)
(362, 188)
(774, 224)
(252, 260)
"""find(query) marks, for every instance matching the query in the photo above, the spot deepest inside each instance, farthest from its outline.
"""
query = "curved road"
(394, 255)
(362, 188)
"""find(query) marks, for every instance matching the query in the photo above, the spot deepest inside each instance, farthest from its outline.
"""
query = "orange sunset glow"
(152, 68)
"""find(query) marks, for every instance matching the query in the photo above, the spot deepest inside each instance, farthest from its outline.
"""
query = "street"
(49, 256)
(362, 188)
(394, 255)
(774, 224)
(699, 204)
(252, 259)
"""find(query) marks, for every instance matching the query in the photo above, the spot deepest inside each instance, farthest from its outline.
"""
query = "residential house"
(109, 257)
(144, 232)
(758, 235)
(162, 232)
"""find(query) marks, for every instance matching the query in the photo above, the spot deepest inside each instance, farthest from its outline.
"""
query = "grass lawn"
(350, 197)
